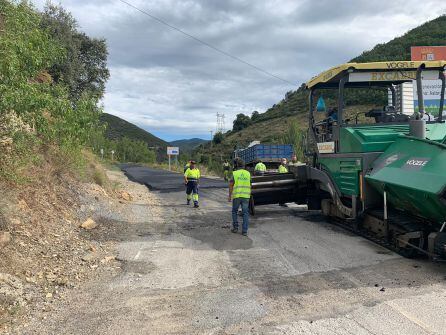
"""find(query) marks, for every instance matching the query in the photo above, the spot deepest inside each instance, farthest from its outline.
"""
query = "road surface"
(165, 181)
(184, 272)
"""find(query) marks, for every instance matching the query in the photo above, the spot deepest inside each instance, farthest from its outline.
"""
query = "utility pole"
(220, 123)
(211, 136)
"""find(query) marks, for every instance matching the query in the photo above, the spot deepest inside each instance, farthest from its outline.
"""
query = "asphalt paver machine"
(385, 177)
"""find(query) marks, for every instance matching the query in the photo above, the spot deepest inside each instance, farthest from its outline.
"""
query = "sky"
(173, 86)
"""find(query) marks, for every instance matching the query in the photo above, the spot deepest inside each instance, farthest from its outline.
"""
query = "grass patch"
(99, 177)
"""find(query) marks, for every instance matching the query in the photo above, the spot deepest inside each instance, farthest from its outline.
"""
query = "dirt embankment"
(51, 239)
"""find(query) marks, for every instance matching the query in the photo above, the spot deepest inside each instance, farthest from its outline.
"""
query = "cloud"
(171, 85)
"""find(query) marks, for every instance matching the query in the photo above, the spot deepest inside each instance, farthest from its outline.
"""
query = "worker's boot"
(234, 230)
(196, 205)
(245, 233)
(188, 201)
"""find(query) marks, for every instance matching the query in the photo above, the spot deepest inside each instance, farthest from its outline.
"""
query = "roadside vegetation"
(52, 77)
(117, 129)
(37, 112)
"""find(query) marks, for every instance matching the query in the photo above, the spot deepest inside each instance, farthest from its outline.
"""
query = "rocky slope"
(53, 238)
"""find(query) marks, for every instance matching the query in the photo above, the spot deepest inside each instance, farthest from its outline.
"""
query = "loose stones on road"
(89, 224)
(5, 238)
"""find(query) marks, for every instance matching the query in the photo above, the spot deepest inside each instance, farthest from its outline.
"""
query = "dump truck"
(383, 177)
(269, 154)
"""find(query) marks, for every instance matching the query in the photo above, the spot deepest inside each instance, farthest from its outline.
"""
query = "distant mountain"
(188, 145)
(119, 128)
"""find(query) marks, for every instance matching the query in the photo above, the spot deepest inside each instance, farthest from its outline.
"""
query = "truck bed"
(266, 153)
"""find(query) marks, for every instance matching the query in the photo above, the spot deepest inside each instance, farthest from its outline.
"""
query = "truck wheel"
(252, 209)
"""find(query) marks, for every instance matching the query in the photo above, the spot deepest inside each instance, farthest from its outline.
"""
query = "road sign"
(429, 53)
(173, 151)
(432, 86)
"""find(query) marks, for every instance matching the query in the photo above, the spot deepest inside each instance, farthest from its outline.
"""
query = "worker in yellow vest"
(260, 168)
(282, 167)
(226, 170)
(239, 194)
(191, 180)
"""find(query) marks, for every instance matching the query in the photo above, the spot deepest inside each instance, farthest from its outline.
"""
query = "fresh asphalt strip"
(164, 181)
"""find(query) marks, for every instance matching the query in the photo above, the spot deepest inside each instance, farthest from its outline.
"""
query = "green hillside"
(188, 145)
(270, 125)
(118, 128)
(431, 33)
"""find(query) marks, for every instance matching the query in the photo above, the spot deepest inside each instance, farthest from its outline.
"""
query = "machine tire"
(252, 208)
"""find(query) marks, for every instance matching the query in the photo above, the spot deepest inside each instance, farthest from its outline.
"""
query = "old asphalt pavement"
(184, 272)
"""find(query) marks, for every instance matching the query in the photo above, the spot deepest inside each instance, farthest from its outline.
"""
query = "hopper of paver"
(412, 172)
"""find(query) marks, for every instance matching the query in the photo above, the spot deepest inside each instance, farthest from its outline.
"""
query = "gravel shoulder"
(181, 271)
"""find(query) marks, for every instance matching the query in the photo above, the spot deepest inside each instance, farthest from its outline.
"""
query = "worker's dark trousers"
(192, 191)
(236, 203)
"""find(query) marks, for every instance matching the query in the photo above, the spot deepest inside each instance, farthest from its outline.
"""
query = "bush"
(255, 116)
(294, 136)
(99, 177)
(204, 159)
(218, 138)
(241, 122)
(133, 151)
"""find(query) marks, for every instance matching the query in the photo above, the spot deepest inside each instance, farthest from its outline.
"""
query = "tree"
(241, 122)
(294, 136)
(288, 95)
(128, 150)
(84, 68)
(255, 116)
(218, 138)
(29, 95)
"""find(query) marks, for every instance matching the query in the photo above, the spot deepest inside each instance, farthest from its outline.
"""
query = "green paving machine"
(384, 177)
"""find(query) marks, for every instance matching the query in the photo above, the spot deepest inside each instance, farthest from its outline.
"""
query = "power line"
(206, 43)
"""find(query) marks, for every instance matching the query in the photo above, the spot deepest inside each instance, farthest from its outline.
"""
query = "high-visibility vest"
(186, 167)
(260, 167)
(242, 184)
(283, 169)
(192, 174)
